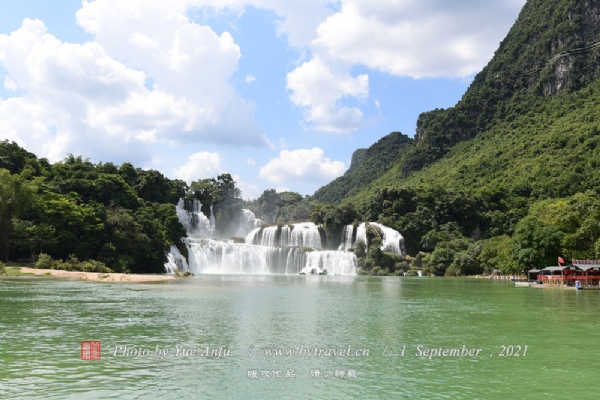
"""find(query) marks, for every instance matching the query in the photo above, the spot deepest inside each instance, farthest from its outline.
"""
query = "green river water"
(382, 319)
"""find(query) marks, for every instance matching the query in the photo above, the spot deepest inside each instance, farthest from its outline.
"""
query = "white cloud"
(200, 165)
(91, 98)
(417, 38)
(303, 165)
(298, 20)
(250, 78)
(250, 162)
(9, 84)
(318, 91)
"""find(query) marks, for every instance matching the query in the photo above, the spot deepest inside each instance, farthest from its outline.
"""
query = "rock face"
(367, 165)
(551, 49)
(357, 157)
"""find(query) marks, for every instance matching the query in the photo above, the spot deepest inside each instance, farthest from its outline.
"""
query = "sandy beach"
(98, 277)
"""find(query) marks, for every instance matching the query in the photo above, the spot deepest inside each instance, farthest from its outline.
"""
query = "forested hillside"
(508, 178)
(366, 166)
(97, 217)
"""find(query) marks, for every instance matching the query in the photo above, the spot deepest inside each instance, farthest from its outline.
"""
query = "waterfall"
(393, 242)
(251, 237)
(248, 222)
(175, 261)
(304, 234)
(283, 249)
(346, 242)
(213, 256)
(335, 262)
(193, 219)
(212, 218)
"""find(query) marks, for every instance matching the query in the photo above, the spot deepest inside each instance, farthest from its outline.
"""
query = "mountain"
(508, 179)
(550, 50)
(357, 157)
(528, 120)
(367, 165)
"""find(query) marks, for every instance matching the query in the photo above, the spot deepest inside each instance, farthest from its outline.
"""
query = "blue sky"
(277, 93)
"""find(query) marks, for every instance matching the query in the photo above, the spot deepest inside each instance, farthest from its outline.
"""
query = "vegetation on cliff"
(501, 180)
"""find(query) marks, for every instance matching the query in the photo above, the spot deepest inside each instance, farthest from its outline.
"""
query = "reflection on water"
(43, 321)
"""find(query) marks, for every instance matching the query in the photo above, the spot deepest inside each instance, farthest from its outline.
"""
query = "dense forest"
(507, 179)
(97, 217)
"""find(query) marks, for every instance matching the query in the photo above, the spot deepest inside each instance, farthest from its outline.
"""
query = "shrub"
(453, 270)
(72, 264)
(44, 262)
(93, 266)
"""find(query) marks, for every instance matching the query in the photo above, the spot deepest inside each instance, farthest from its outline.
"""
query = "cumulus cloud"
(297, 20)
(250, 162)
(250, 78)
(417, 38)
(9, 84)
(92, 98)
(303, 165)
(199, 166)
(318, 91)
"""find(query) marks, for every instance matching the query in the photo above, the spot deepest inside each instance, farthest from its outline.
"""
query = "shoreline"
(96, 276)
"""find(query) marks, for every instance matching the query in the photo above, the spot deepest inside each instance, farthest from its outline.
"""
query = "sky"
(278, 93)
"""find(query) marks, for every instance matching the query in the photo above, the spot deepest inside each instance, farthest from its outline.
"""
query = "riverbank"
(91, 276)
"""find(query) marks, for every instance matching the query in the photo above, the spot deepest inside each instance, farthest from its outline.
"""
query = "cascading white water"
(393, 242)
(213, 256)
(271, 250)
(346, 242)
(304, 234)
(334, 262)
(193, 219)
(175, 261)
(251, 237)
(248, 222)
(212, 218)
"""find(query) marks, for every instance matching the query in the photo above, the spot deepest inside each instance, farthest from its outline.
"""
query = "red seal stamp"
(90, 350)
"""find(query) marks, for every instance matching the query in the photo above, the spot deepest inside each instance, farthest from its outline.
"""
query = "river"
(208, 337)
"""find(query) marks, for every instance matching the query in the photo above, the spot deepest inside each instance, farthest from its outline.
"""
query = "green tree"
(535, 244)
(35, 238)
(204, 190)
(15, 197)
(496, 254)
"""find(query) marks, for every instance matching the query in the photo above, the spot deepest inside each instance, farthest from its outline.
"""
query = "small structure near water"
(585, 273)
